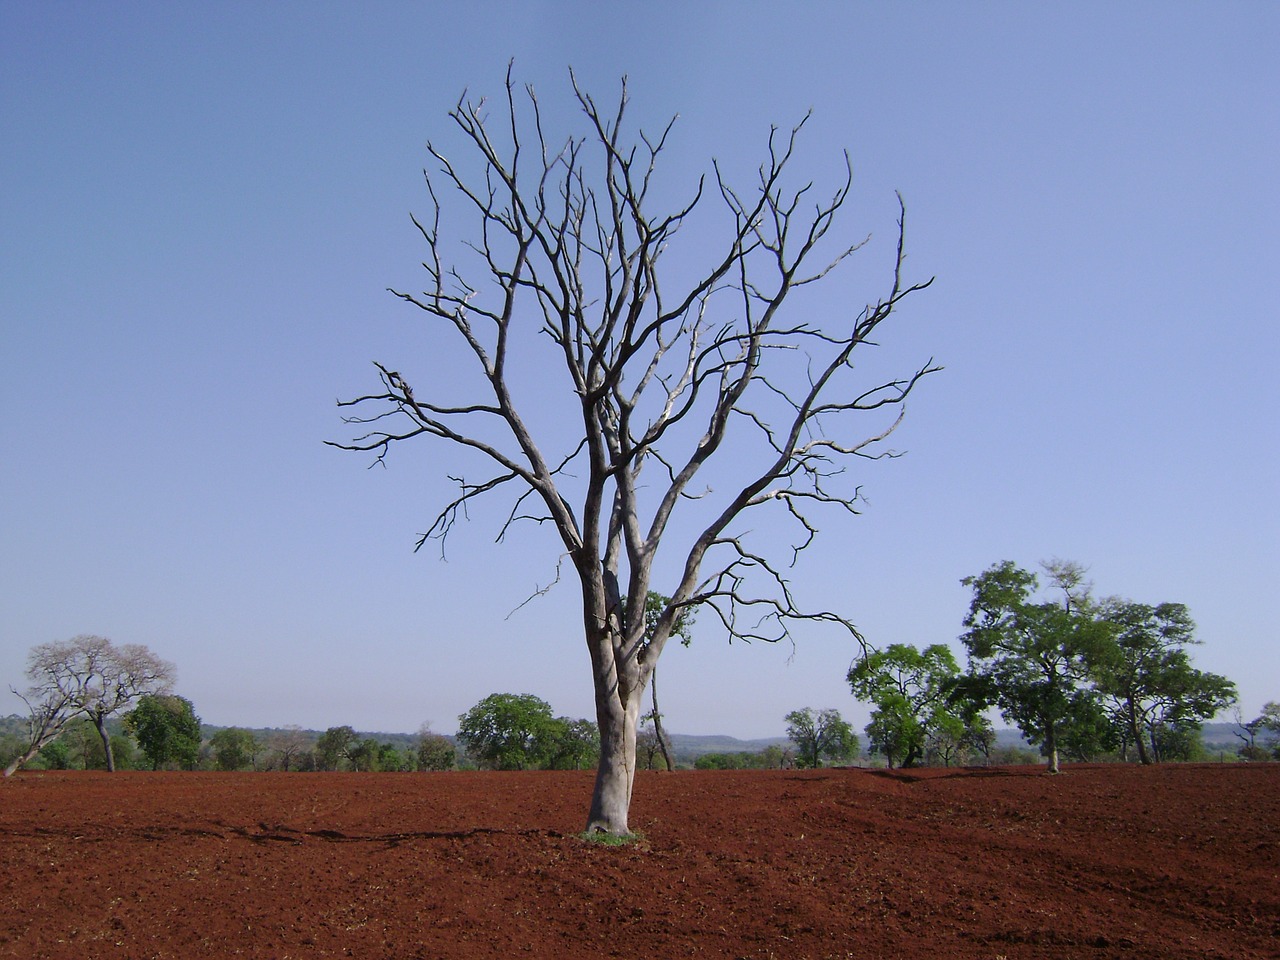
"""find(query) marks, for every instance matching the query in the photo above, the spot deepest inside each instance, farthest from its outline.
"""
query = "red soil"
(1101, 861)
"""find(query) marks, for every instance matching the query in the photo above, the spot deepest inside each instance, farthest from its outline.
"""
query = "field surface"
(1102, 861)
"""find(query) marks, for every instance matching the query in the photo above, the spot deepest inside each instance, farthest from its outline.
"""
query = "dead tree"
(685, 362)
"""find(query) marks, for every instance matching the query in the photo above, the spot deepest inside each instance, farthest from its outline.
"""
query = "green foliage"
(508, 731)
(1035, 654)
(913, 707)
(1153, 694)
(167, 730)
(820, 735)
(654, 605)
(572, 744)
(55, 756)
(435, 752)
(363, 754)
(333, 746)
(234, 749)
(723, 761)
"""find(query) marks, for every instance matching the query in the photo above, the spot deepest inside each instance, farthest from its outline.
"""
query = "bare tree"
(87, 676)
(47, 713)
(691, 365)
(288, 745)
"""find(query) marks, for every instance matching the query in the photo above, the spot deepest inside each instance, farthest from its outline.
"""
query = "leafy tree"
(56, 756)
(573, 744)
(774, 757)
(86, 676)
(167, 730)
(363, 754)
(234, 749)
(663, 374)
(1035, 654)
(1146, 676)
(1178, 741)
(910, 689)
(820, 734)
(391, 759)
(435, 752)
(333, 746)
(508, 731)
(979, 736)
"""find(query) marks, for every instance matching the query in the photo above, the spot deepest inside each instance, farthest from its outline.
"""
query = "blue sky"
(202, 206)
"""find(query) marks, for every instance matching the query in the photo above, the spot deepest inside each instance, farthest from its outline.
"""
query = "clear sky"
(201, 207)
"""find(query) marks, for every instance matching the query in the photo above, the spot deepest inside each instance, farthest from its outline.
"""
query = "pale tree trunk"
(615, 776)
(1051, 747)
(12, 768)
(100, 721)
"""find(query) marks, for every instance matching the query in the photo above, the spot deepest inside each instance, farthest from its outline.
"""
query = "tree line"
(1085, 677)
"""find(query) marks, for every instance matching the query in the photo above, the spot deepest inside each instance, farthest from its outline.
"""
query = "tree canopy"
(167, 730)
(911, 690)
(820, 735)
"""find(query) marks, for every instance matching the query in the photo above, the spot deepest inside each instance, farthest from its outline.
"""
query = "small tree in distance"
(234, 749)
(549, 257)
(909, 688)
(435, 751)
(167, 730)
(820, 735)
(508, 731)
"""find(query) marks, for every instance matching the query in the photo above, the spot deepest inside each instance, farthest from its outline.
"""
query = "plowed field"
(1102, 861)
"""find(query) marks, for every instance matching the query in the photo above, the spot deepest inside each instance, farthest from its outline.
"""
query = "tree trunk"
(1139, 740)
(1051, 747)
(100, 721)
(611, 798)
(657, 721)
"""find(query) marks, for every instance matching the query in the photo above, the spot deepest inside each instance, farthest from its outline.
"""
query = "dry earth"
(1101, 861)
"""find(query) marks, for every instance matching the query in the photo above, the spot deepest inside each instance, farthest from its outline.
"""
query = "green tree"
(1035, 654)
(656, 360)
(508, 731)
(1145, 675)
(363, 755)
(234, 749)
(910, 689)
(56, 756)
(574, 744)
(435, 752)
(820, 734)
(333, 746)
(167, 730)
(394, 760)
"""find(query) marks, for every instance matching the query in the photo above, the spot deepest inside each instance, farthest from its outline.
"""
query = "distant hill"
(693, 745)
